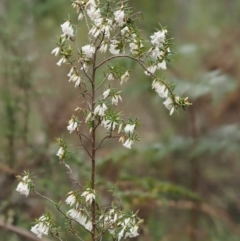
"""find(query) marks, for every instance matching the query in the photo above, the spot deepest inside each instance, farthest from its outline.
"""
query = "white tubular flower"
(85, 67)
(116, 98)
(133, 47)
(74, 77)
(119, 17)
(160, 89)
(94, 31)
(129, 128)
(71, 199)
(88, 50)
(103, 47)
(106, 93)
(67, 29)
(125, 31)
(94, 13)
(169, 105)
(151, 70)
(113, 49)
(133, 232)
(110, 77)
(158, 38)
(100, 109)
(80, 16)
(78, 81)
(128, 143)
(23, 186)
(70, 72)
(120, 128)
(124, 78)
(42, 227)
(162, 65)
(88, 117)
(109, 124)
(78, 216)
(72, 125)
(61, 61)
(156, 52)
(56, 51)
(60, 153)
(91, 3)
(89, 195)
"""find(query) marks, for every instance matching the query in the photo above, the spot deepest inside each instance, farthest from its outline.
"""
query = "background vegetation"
(184, 175)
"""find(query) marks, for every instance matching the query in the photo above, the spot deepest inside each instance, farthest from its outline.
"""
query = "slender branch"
(79, 133)
(106, 137)
(85, 148)
(21, 232)
(70, 173)
(142, 65)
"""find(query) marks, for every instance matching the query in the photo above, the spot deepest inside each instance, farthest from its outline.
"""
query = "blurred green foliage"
(183, 177)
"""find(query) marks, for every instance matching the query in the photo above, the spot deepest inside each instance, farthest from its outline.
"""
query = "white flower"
(133, 232)
(42, 227)
(88, 50)
(103, 47)
(128, 143)
(80, 16)
(110, 77)
(70, 72)
(116, 98)
(23, 186)
(119, 17)
(160, 89)
(78, 81)
(106, 93)
(67, 29)
(61, 61)
(94, 31)
(91, 3)
(125, 77)
(72, 125)
(88, 117)
(114, 49)
(71, 199)
(56, 51)
(169, 105)
(151, 70)
(89, 195)
(162, 65)
(80, 218)
(60, 153)
(129, 128)
(100, 109)
(158, 38)
(125, 31)
(94, 13)
(156, 52)
(109, 124)
(85, 67)
(74, 77)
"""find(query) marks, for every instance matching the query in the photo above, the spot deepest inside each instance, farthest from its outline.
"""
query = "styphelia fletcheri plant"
(112, 34)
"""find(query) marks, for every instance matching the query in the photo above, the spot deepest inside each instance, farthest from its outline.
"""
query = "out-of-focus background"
(183, 177)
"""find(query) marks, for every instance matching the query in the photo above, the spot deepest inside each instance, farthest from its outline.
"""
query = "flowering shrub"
(111, 29)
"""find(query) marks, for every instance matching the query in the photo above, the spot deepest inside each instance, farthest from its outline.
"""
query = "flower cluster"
(89, 195)
(80, 216)
(25, 184)
(42, 226)
(119, 224)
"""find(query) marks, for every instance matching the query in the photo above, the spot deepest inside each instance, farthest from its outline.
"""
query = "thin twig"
(21, 232)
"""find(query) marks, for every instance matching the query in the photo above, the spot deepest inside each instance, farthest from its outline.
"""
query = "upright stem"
(93, 149)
